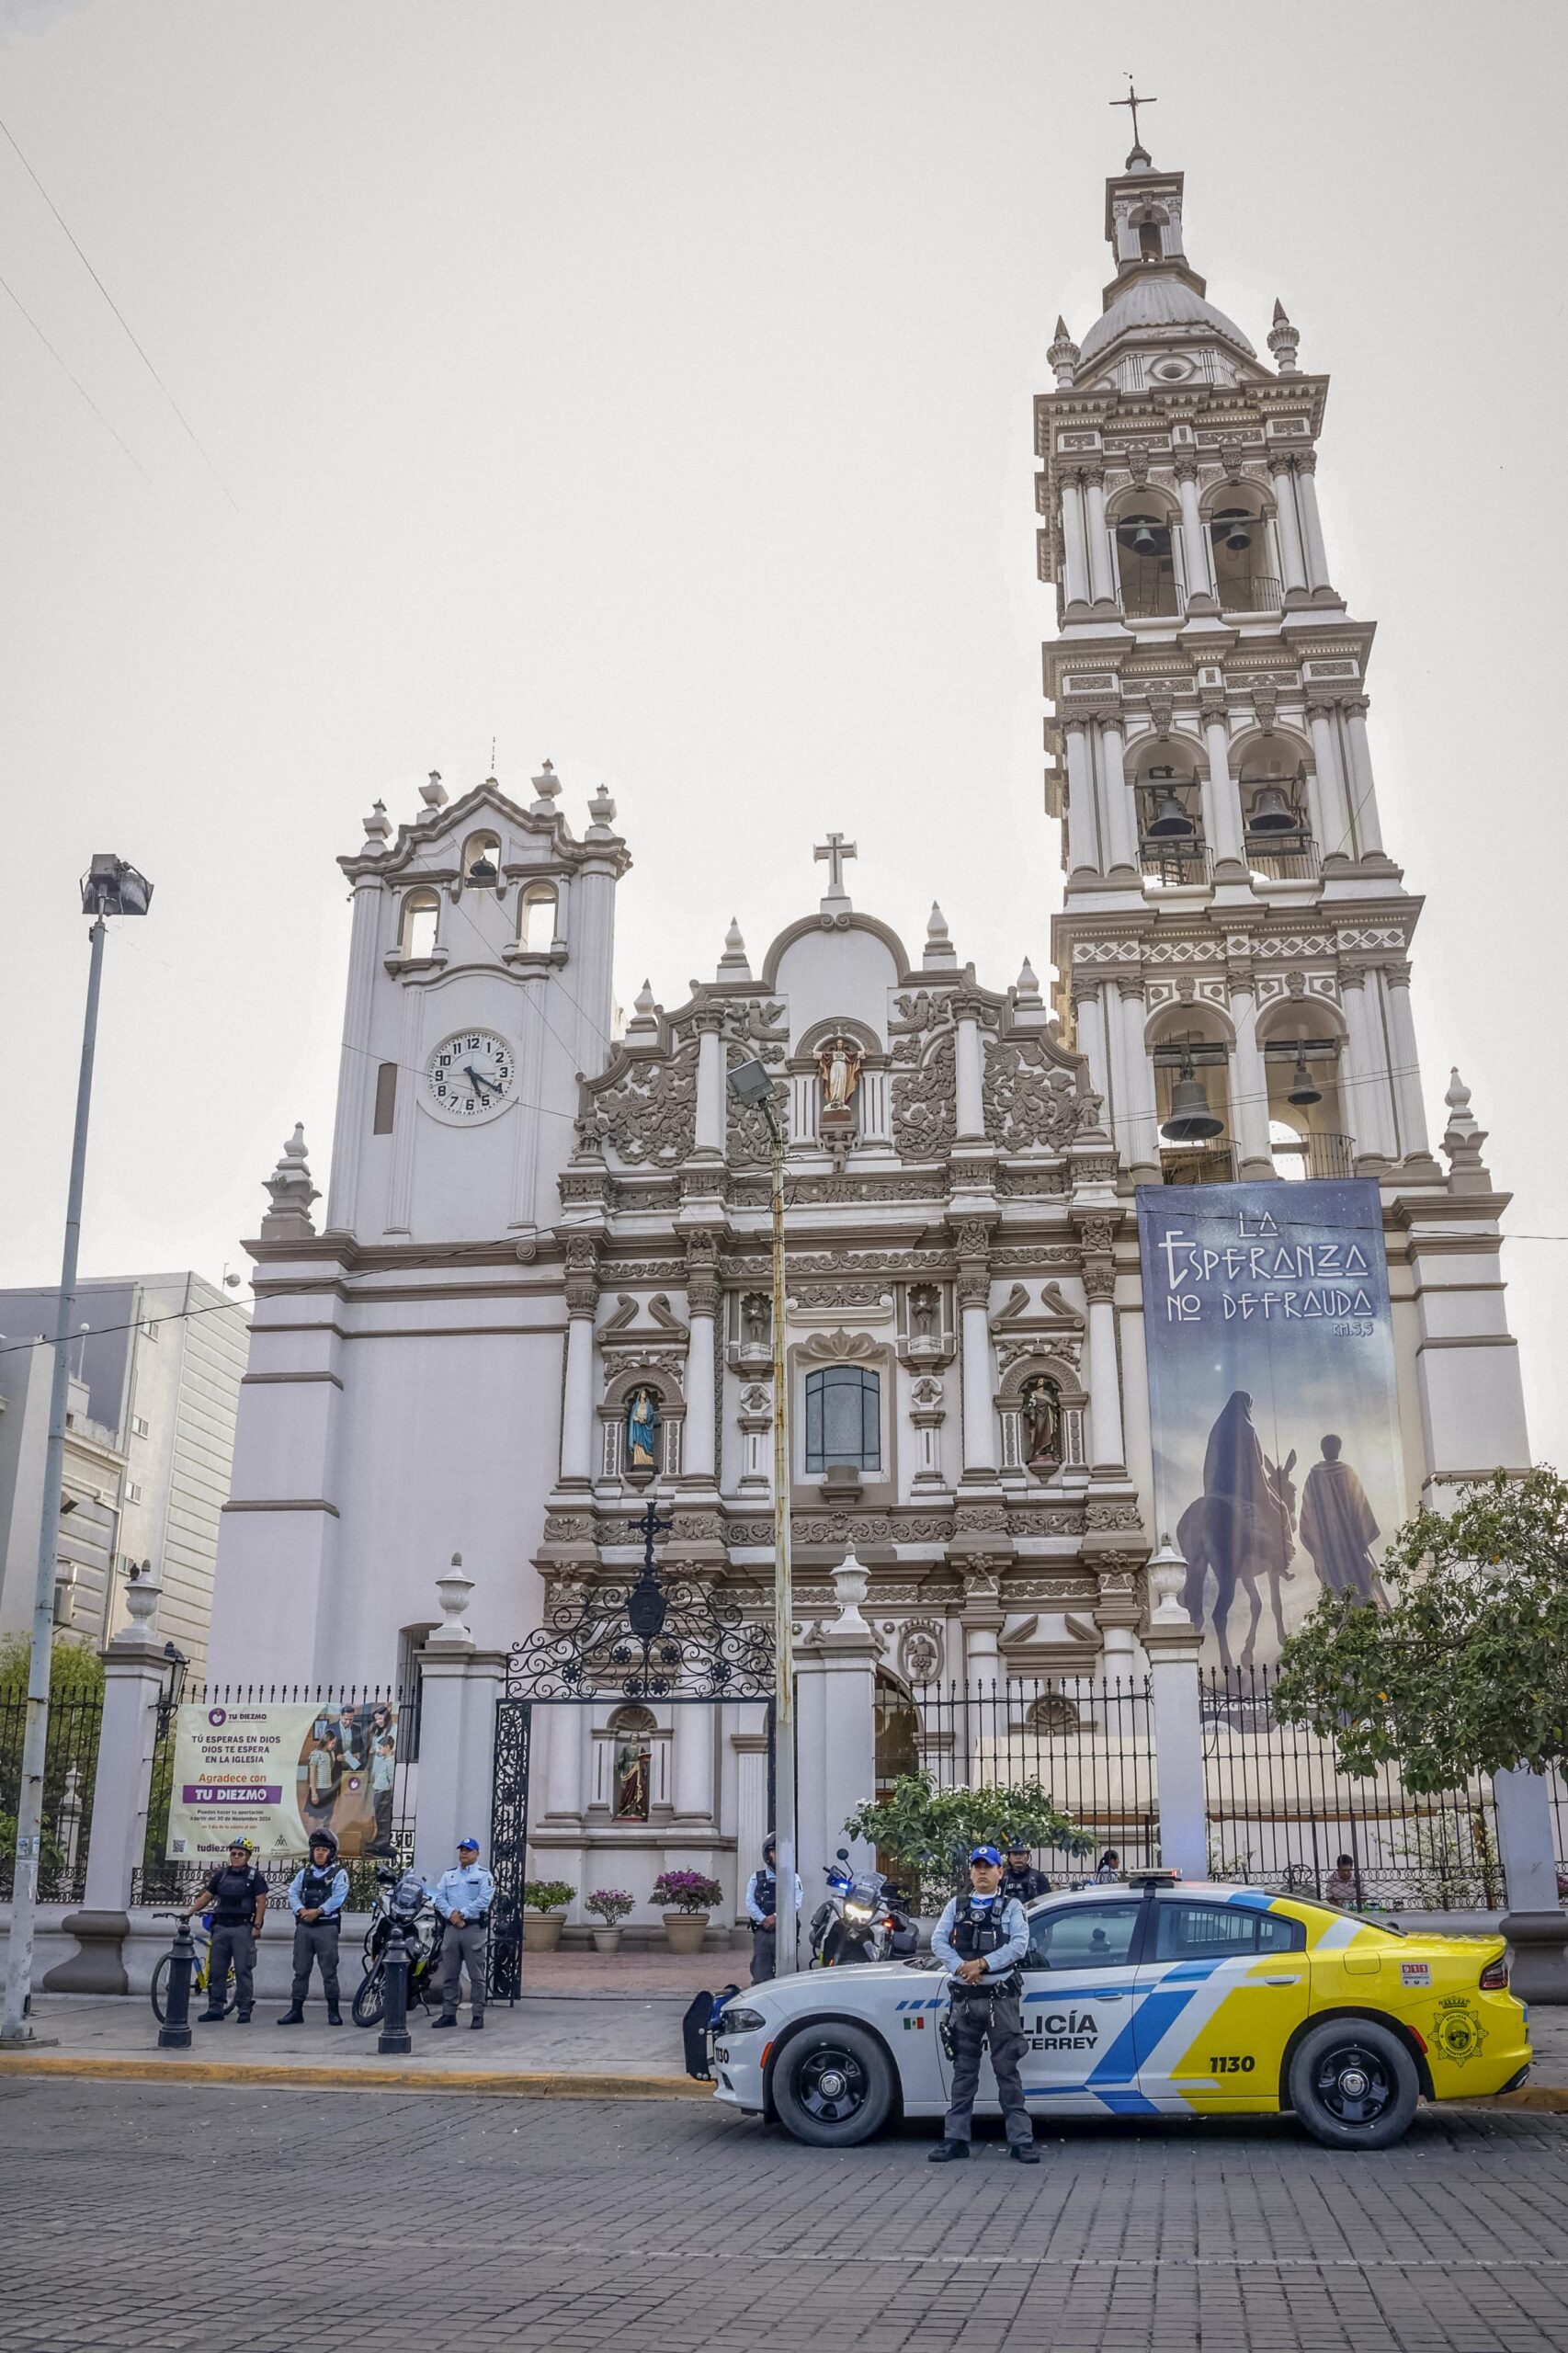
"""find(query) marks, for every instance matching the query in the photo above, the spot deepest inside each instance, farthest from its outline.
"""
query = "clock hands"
(476, 1081)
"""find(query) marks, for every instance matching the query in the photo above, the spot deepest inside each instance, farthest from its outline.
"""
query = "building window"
(843, 1418)
(536, 919)
(132, 1490)
(416, 925)
(1145, 563)
(137, 1426)
(386, 1099)
(632, 1764)
(150, 1329)
(481, 861)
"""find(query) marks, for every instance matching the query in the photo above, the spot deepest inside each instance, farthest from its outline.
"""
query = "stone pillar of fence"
(1173, 1644)
(835, 1734)
(444, 1781)
(134, 1668)
(1534, 1923)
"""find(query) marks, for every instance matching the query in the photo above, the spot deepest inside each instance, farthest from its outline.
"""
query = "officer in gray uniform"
(316, 1897)
(464, 1898)
(238, 1893)
(982, 1939)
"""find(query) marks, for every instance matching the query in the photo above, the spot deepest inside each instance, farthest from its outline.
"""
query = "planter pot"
(541, 1930)
(607, 1940)
(685, 1930)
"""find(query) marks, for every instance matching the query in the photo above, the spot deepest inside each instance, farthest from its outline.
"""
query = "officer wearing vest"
(981, 1939)
(236, 1894)
(1018, 1880)
(761, 1911)
(316, 1897)
(464, 1898)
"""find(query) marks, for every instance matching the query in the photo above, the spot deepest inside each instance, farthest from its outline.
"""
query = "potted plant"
(689, 1897)
(544, 1913)
(609, 1905)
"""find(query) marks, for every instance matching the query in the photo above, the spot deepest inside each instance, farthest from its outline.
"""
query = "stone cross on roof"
(835, 849)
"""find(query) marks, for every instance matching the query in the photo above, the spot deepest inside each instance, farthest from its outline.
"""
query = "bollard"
(175, 2032)
(394, 2039)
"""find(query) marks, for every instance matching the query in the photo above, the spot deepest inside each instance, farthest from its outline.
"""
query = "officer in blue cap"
(464, 1898)
(982, 1939)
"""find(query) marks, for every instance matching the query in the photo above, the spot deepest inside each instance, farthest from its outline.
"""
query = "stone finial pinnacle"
(378, 827)
(1463, 1139)
(1062, 356)
(645, 1021)
(291, 1191)
(940, 954)
(1025, 989)
(547, 792)
(734, 964)
(1283, 341)
(433, 793)
(601, 810)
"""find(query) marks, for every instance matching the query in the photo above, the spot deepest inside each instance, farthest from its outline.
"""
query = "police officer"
(982, 1937)
(238, 1893)
(464, 1898)
(1018, 1880)
(762, 1909)
(316, 1897)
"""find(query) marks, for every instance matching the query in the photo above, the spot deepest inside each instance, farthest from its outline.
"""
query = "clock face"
(471, 1076)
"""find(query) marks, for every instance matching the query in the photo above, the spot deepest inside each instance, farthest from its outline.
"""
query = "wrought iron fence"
(1282, 1813)
(70, 1773)
(170, 1879)
(1088, 1741)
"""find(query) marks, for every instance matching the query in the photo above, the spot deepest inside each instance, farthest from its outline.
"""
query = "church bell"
(1143, 536)
(1190, 1120)
(1271, 811)
(1237, 535)
(1169, 821)
(1302, 1091)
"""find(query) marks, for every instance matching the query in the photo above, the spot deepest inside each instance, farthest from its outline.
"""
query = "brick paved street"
(625, 2226)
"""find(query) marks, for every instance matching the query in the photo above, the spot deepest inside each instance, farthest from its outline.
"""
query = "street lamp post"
(752, 1084)
(109, 888)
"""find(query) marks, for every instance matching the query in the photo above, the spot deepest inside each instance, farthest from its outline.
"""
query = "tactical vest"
(976, 1935)
(314, 1889)
(234, 1897)
(765, 1888)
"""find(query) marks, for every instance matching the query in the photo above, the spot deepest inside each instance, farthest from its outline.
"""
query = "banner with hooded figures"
(274, 1773)
(1271, 1399)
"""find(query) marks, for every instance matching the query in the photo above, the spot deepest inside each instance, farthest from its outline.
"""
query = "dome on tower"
(1153, 302)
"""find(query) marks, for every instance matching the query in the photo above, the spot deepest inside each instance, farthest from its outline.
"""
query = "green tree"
(927, 1833)
(1466, 1671)
(75, 1707)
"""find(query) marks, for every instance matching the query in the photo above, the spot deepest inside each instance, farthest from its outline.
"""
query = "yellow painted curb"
(175, 2068)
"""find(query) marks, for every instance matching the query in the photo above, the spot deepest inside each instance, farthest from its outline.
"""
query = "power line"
(120, 315)
(76, 379)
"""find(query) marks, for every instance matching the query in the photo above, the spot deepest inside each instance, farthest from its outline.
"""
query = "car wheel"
(1354, 2084)
(832, 2085)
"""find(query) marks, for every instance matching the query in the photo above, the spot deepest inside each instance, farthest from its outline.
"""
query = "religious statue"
(642, 1431)
(632, 1760)
(755, 1317)
(839, 1064)
(923, 1305)
(1042, 1424)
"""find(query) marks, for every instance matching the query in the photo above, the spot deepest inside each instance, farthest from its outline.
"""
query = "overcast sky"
(648, 386)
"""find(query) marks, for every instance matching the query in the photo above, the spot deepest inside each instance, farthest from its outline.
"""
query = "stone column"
(1120, 832)
(695, 1728)
(979, 1379)
(1089, 1027)
(1367, 1095)
(1107, 1447)
(711, 1088)
(1406, 1063)
(1074, 554)
(1312, 529)
(699, 1465)
(1222, 799)
(1118, 1614)
(969, 1057)
(1201, 597)
(1102, 581)
(134, 1668)
(438, 1822)
(485, 1682)
(1249, 1086)
(1534, 1923)
(1287, 529)
(1142, 1120)
(577, 1416)
(835, 1738)
(357, 1072)
(985, 1683)
(1335, 842)
(1083, 826)
(928, 1412)
(1367, 831)
(1173, 1644)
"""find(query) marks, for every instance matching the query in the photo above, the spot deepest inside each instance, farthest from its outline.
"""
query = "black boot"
(295, 2016)
(209, 2017)
(334, 2014)
(1024, 2152)
(945, 2151)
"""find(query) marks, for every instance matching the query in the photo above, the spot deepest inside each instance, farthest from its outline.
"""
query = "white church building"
(544, 1245)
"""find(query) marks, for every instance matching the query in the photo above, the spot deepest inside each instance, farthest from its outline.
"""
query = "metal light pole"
(109, 888)
(753, 1085)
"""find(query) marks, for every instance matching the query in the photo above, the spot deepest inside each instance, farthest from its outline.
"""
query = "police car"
(1156, 1997)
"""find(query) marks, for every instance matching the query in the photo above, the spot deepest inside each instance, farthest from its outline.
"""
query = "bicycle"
(200, 1976)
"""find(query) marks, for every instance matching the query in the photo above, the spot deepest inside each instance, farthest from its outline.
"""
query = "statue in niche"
(923, 1310)
(642, 1431)
(755, 1318)
(1042, 1425)
(839, 1064)
(633, 1763)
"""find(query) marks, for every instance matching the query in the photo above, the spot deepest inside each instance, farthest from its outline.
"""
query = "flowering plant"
(547, 1894)
(610, 1904)
(686, 1891)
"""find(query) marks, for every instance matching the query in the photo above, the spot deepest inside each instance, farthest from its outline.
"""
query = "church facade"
(543, 1263)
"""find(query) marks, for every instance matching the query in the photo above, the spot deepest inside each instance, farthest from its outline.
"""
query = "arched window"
(1145, 563)
(843, 1418)
(417, 920)
(1151, 245)
(1277, 827)
(1191, 1095)
(536, 919)
(1171, 846)
(631, 1764)
(1245, 575)
(1306, 1122)
(481, 861)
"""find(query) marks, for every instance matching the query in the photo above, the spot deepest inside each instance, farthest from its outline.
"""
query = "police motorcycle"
(404, 1903)
(862, 1919)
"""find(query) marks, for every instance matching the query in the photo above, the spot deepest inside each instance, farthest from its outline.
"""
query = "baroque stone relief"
(648, 1114)
(1031, 1097)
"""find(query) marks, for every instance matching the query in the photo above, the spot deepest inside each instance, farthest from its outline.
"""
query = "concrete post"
(835, 1733)
(1535, 1923)
(134, 1668)
(449, 1653)
(1173, 1644)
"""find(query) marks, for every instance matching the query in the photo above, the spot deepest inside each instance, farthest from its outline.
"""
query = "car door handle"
(1282, 1981)
(1107, 1997)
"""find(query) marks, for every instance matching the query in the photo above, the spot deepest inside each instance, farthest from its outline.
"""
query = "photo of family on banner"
(1271, 1399)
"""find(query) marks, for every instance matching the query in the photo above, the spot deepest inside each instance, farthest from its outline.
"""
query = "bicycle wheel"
(160, 1987)
(369, 1997)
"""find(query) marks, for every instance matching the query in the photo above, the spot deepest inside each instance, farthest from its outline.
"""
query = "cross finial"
(835, 849)
(1134, 102)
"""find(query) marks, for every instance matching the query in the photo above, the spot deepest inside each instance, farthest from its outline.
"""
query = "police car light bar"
(1152, 1878)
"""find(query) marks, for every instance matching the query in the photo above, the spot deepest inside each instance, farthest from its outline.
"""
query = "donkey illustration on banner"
(1243, 1527)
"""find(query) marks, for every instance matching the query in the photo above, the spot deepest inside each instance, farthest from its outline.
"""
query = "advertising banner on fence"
(1271, 1399)
(273, 1774)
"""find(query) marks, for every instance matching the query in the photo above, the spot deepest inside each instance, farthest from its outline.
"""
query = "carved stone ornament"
(924, 1099)
(1099, 1278)
(920, 1652)
(1137, 456)
(702, 1275)
(871, 1528)
(581, 1285)
(1097, 1236)
(1031, 1098)
(1113, 1516)
(840, 1348)
(648, 1112)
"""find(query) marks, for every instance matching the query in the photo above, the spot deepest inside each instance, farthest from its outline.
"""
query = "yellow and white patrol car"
(1152, 1997)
